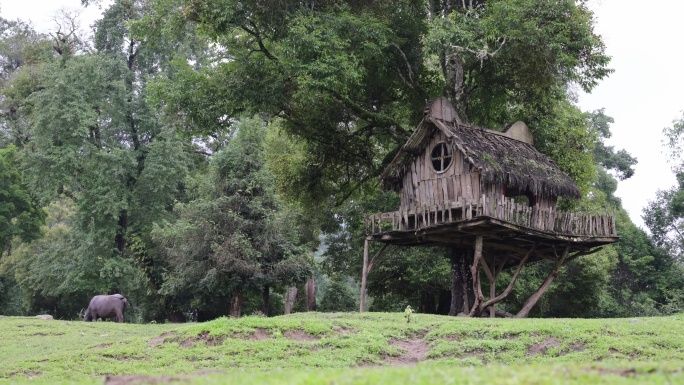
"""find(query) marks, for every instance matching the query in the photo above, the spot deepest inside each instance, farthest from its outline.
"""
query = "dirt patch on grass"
(102, 346)
(543, 346)
(260, 334)
(612, 352)
(300, 335)
(157, 340)
(123, 357)
(345, 331)
(28, 374)
(578, 347)
(415, 350)
(202, 337)
(134, 379)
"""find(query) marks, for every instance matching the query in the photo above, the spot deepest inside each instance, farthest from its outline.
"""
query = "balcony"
(506, 210)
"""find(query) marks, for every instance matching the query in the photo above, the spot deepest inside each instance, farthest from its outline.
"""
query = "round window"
(441, 157)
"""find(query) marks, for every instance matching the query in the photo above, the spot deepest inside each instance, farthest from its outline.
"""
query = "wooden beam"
(364, 273)
(475, 271)
(529, 304)
(372, 261)
(502, 296)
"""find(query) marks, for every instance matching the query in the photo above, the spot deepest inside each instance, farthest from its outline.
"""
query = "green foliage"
(20, 215)
(22, 51)
(338, 296)
(400, 275)
(565, 135)
(20, 46)
(632, 277)
(517, 52)
(235, 236)
(621, 161)
(56, 273)
(582, 287)
(89, 136)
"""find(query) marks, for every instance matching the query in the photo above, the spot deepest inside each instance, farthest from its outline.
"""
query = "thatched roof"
(499, 158)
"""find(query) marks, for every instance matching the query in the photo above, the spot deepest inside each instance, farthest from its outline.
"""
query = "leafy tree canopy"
(351, 78)
(20, 215)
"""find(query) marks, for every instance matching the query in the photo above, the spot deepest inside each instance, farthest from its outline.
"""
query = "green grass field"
(345, 348)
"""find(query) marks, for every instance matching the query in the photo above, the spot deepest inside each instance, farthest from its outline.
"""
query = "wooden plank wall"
(546, 203)
(423, 186)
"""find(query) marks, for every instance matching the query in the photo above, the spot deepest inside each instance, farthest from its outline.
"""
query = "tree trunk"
(120, 238)
(461, 280)
(452, 67)
(311, 294)
(290, 297)
(236, 305)
(529, 304)
(266, 298)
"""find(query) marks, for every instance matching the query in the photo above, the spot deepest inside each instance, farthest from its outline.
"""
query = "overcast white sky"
(42, 12)
(644, 94)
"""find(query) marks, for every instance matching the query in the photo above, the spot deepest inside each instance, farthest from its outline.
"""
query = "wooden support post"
(492, 282)
(372, 261)
(364, 273)
(529, 304)
(475, 271)
(492, 294)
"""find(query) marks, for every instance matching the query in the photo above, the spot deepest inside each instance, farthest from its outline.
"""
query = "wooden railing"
(505, 209)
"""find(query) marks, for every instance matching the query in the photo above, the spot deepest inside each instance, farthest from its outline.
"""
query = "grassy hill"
(345, 348)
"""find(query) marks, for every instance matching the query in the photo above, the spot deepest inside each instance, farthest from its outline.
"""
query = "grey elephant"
(106, 306)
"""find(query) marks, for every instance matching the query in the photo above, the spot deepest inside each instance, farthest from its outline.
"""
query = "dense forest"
(220, 155)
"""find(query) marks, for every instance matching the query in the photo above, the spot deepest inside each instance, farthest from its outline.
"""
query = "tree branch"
(508, 290)
(257, 35)
(379, 119)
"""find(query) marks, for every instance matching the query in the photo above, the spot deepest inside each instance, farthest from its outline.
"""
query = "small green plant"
(408, 313)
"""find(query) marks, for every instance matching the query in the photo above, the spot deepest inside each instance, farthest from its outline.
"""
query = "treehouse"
(487, 191)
